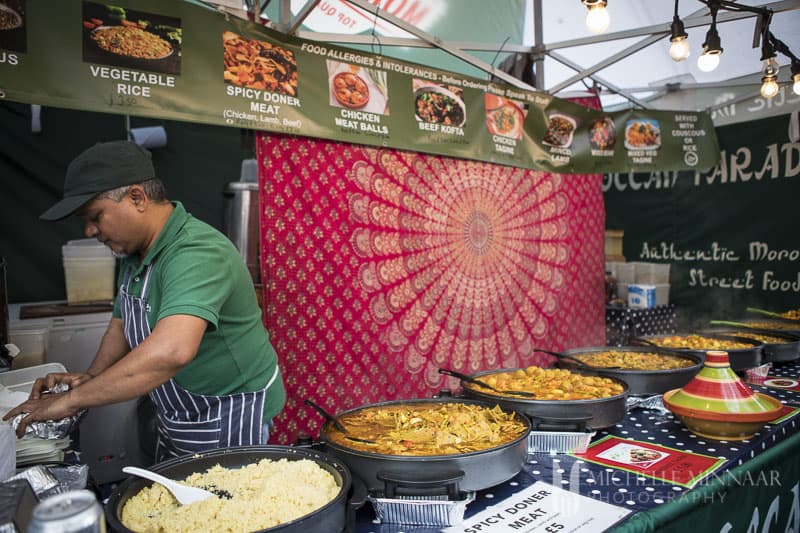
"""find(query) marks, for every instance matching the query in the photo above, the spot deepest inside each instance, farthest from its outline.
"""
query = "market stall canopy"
(629, 62)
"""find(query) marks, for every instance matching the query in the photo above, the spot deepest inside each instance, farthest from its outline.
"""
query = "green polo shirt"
(198, 271)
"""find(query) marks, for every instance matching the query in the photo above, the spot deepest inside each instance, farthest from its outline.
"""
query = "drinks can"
(76, 511)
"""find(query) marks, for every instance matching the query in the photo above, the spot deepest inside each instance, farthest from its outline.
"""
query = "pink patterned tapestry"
(382, 266)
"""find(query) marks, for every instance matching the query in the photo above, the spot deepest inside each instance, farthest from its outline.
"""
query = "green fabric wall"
(195, 165)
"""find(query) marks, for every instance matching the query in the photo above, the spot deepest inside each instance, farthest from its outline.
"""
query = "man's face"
(113, 223)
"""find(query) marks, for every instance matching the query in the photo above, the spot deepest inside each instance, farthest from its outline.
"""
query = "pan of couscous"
(281, 489)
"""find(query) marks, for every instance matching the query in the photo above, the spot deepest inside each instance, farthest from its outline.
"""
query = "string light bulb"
(597, 20)
(712, 47)
(769, 83)
(796, 77)
(679, 47)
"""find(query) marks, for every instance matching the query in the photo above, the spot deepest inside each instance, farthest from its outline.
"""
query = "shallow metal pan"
(472, 471)
(641, 382)
(560, 415)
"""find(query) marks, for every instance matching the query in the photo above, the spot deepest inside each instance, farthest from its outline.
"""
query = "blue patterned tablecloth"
(620, 487)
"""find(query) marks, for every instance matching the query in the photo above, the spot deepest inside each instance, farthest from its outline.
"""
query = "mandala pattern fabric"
(382, 266)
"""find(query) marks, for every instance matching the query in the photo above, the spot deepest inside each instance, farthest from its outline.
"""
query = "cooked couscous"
(257, 496)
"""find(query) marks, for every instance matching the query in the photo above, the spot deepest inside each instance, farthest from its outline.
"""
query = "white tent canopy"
(629, 63)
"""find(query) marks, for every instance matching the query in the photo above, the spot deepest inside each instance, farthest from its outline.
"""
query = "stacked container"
(88, 271)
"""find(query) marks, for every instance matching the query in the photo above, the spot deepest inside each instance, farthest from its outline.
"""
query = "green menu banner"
(185, 61)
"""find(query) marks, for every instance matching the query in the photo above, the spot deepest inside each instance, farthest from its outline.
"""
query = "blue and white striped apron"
(189, 422)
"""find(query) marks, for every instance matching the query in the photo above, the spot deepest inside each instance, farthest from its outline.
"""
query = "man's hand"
(48, 407)
(73, 379)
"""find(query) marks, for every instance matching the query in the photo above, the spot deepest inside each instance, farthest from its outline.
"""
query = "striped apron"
(189, 422)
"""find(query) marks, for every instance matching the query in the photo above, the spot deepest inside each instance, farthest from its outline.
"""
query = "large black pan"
(740, 358)
(640, 381)
(784, 325)
(559, 415)
(788, 349)
(383, 474)
(333, 517)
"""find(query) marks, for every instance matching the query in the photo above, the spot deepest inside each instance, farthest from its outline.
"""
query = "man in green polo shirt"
(186, 327)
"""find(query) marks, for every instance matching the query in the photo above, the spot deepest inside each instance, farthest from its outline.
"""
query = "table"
(755, 483)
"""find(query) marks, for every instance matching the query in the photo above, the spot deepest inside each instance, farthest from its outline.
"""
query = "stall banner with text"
(651, 460)
(730, 234)
(185, 61)
(382, 266)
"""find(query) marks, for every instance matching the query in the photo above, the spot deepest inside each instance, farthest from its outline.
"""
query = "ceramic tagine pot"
(717, 404)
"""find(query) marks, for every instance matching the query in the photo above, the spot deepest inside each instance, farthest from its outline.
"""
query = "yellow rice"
(263, 495)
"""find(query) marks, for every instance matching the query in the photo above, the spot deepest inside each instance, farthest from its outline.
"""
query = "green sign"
(729, 233)
(183, 61)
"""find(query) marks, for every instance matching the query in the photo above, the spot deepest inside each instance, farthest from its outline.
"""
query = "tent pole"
(538, 45)
(438, 43)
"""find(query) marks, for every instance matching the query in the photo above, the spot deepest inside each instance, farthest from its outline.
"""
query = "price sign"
(543, 508)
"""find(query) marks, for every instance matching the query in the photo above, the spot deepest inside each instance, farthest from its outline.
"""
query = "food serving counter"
(667, 478)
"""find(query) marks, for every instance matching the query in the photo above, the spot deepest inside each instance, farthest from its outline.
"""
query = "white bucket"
(88, 271)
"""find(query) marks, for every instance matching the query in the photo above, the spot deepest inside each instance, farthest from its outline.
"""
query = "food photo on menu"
(356, 87)
(642, 134)
(439, 104)
(258, 65)
(12, 26)
(126, 38)
(633, 455)
(602, 134)
(560, 130)
(504, 116)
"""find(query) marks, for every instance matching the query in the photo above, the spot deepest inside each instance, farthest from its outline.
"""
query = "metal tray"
(433, 511)
(555, 442)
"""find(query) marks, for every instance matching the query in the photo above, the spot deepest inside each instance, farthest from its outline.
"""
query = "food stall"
(383, 142)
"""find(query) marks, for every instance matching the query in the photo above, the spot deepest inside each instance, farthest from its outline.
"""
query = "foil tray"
(436, 511)
(554, 442)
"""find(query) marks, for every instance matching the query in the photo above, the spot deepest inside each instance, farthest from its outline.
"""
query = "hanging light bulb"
(712, 47)
(796, 77)
(679, 49)
(769, 83)
(597, 20)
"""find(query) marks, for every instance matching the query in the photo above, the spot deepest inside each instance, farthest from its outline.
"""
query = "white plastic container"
(652, 273)
(32, 344)
(88, 271)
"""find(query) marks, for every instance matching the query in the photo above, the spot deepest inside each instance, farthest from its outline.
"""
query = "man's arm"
(171, 346)
(113, 347)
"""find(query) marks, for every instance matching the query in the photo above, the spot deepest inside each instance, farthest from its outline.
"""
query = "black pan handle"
(644, 342)
(329, 417)
(465, 377)
(561, 423)
(394, 480)
(555, 354)
(358, 497)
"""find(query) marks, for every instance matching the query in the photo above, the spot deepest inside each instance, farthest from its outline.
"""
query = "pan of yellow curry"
(743, 352)
(557, 399)
(429, 446)
(646, 370)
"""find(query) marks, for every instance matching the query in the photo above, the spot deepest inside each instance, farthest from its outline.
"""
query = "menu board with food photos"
(186, 61)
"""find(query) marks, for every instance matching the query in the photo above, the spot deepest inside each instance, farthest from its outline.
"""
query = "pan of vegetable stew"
(779, 346)
(427, 446)
(564, 400)
(743, 352)
(646, 370)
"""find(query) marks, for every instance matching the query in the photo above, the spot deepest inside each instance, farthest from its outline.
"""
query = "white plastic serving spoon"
(183, 493)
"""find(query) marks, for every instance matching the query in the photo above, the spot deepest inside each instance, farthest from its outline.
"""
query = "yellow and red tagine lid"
(717, 393)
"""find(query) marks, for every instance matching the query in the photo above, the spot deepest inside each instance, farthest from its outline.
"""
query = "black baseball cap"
(102, 167)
